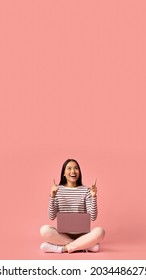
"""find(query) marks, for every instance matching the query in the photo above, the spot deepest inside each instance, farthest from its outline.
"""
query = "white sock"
(51, 248)
(94, 248)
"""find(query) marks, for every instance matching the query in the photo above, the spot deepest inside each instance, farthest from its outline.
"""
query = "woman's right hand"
(54, 189)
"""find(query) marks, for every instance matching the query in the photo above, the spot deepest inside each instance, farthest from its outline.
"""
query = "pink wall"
(72, 84)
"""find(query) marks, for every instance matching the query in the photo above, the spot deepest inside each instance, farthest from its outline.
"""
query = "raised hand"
(93, 189)
(54, 189)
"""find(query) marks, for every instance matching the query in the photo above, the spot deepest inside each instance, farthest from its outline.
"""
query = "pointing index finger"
(54, 182)
(95, 181)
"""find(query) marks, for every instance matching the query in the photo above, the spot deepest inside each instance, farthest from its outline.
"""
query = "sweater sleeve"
(53, 208)
(91, 205)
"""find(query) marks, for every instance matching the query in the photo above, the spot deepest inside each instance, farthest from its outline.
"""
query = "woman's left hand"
(93, 189)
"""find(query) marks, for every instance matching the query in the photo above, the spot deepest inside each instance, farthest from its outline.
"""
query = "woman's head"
(71, 172)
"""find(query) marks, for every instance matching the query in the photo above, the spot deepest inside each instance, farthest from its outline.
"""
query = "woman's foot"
(95, 248)
(51, 248)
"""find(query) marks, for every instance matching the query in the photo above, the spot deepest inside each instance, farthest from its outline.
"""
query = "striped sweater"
(76, 199)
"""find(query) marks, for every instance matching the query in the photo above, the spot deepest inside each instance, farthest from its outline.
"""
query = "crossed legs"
(87, 241)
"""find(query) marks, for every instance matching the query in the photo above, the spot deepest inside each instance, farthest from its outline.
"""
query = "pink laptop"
(73, 222)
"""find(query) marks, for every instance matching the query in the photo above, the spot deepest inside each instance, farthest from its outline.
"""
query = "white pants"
(85, 241)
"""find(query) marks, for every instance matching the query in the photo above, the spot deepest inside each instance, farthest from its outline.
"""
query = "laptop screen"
(73, 222)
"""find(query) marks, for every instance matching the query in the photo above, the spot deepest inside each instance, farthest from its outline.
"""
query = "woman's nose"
(72, 171)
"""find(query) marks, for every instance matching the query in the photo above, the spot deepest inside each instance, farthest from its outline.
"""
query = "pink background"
(73, 84)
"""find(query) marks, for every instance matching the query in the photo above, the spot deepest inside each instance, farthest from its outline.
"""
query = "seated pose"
(71, 196)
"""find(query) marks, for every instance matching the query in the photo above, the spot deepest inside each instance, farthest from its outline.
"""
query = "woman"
(71, 196)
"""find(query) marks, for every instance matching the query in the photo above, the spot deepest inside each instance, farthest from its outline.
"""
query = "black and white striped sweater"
(78, 200)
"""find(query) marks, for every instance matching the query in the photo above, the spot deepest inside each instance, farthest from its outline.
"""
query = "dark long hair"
(63, 178)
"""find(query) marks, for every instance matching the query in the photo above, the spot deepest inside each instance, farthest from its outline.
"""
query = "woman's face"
(72, 172)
